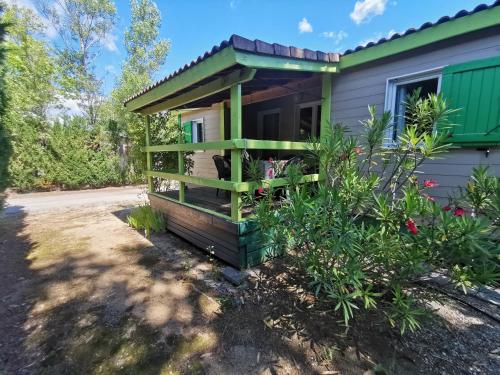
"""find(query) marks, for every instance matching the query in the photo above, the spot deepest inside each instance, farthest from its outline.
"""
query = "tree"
(82, 26)
(146, 53)
(29, 86)
(5, 146)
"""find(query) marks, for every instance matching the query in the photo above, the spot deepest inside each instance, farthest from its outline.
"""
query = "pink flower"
(270, 160)
(270, 173)
(428, 197)
(430, 183)
(260, 190)
(446, 208)
(459, 211)
(358, 150)
(410, 225)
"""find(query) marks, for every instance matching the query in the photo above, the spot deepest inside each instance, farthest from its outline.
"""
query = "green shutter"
(474, 89)
(187, 129)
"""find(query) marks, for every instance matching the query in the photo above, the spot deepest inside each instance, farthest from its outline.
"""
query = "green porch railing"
(235, 187)
(235, 144)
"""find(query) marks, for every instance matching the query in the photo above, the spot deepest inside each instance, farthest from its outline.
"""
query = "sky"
(194, 26)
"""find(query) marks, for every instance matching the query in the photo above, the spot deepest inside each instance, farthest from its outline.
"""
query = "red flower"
(358, 150)
(430, 183)
(459, 211)
(428, 197)
(260, 190)
(410, 224)
(446, 208)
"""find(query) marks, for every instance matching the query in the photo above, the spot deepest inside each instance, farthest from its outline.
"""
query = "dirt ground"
(82, 293)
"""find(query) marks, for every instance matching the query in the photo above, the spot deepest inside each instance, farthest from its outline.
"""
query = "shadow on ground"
(83, 293)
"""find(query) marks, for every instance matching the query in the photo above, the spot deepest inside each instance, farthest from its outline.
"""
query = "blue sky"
(194, 26)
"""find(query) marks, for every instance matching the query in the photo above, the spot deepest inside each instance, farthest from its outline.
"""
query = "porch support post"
(326, 111)
(149, 163)
(180, 161)
(236, 133)
(221, 125)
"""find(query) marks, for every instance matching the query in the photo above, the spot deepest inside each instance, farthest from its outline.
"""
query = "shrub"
(370, 229)
(147, 219)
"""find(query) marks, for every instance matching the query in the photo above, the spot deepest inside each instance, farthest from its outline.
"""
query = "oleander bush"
(372, 227)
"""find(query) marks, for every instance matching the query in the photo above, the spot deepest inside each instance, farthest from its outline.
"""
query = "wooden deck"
(239, 243)
(207, 198)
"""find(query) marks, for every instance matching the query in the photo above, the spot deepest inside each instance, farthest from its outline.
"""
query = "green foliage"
(45, 149)
(82, 26)
(5, 146)
(47, 152)
(147, 219)
(367, 232)
(146, 53)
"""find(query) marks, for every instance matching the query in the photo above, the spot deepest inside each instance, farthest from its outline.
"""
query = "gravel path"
(64, 200)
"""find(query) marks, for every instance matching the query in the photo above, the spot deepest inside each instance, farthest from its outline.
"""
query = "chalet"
(266, 100)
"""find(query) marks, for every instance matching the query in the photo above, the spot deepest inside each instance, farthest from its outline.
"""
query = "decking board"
(237, 243)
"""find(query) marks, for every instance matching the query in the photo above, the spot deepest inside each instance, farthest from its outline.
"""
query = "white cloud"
(376, 37)
(305, 26)
(233, 4)
(64, 106)
(110, 69)
(49, 29)
(365, 10)
(23, 3)
(109, 42)
(336, 36)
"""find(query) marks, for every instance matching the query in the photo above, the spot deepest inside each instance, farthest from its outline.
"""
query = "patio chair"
(223, 166)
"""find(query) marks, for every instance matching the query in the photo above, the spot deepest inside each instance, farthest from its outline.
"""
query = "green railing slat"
(241, 144)
(239, 187)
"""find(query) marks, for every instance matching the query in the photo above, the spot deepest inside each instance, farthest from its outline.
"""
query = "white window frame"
(391, 89)
(260, 122)
(315, 107)
(194, 131)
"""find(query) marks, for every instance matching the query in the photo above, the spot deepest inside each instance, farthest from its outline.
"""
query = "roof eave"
(453, 28)
(221, 60)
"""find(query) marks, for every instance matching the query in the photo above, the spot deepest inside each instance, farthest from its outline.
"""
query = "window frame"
(315, 105)
(391, 86)
(194, 124)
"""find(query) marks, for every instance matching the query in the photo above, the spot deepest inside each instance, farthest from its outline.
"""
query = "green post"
(326, 111)
(180, 162)
(236, 133)
(149, 163)
(221, 125)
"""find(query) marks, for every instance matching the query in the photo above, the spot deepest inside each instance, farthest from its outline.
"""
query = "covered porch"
(270, 100)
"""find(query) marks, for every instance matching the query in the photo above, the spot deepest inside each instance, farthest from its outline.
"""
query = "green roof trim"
(456, 27)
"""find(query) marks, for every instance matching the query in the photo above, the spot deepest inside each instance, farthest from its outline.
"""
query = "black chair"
(223, 166)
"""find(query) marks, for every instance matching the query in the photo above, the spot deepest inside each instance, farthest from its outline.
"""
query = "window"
(197, 131)
(308, 118)
(193, 131)
(269, 124)
(397, 91)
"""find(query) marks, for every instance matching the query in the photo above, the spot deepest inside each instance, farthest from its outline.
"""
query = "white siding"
(355, 90)
(203, 164)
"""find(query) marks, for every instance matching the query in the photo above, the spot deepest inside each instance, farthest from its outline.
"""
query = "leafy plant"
(147, 219)
(371, 227)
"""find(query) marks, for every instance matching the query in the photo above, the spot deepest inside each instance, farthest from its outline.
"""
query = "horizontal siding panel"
(354, 90)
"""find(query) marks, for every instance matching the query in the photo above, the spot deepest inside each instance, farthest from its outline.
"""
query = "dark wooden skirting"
(237, 243)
